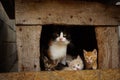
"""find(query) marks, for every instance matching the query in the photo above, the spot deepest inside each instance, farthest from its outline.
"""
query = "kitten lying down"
(75, 64)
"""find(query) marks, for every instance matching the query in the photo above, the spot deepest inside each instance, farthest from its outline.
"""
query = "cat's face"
(90, 56)
(61, 37)
(76, 64)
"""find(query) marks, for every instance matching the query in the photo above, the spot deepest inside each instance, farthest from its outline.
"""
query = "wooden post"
(107, 39)
(28, 47)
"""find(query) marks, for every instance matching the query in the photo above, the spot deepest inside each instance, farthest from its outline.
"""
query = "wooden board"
(108, 54)
(110, 74)
(28, 47)
(72, 12)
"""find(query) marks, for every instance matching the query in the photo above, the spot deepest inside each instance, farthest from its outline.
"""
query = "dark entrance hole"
(82, 37)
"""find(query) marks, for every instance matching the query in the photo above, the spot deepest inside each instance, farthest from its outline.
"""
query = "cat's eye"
(73, 66)
(64, 35)
(77, 64)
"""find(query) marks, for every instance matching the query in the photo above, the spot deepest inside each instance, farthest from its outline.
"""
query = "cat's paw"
(94, 67)
(63, 62)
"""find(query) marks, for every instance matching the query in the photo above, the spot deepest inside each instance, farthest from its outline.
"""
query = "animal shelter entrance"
(80, 37)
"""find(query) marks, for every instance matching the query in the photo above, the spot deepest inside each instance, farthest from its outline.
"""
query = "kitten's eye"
(77, 64)
(73, 66)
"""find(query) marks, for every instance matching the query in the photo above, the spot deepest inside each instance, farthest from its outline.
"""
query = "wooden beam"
(109, 74)
(65, 12)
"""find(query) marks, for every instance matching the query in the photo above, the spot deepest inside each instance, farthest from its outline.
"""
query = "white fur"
(76, 67)
(61, 39)
(76, 64)
(58, 48)
(58, 51)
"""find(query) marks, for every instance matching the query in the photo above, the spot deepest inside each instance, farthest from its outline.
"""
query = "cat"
(54, 43)
(58, 47)
(90, 59)
(75, 64)
(48, 64)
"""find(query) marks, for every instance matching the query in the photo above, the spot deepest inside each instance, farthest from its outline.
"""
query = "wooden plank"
(28, 47)
(53, 75)
(107, 39)
(110, 74)
(65, 12)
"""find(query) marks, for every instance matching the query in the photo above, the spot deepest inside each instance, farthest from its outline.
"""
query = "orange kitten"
(90, 59)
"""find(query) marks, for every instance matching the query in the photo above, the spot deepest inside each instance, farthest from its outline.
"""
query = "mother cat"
(58, 47)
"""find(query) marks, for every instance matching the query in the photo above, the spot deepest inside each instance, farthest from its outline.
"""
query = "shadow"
(82, 37)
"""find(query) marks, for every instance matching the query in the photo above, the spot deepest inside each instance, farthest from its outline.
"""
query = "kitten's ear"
(45, 58)
(84, 51)
(78, 57)
(95, 51)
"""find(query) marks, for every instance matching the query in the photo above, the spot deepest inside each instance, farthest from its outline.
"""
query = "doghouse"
(33, 15)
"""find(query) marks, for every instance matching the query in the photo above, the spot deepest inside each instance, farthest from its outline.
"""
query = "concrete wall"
(8, 52)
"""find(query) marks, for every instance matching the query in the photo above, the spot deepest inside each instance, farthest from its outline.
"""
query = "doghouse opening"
(81, 38)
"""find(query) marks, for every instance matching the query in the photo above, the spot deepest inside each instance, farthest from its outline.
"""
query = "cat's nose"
(60, 39)
(78, 69)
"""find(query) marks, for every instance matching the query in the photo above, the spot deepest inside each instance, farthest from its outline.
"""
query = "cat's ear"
(95, 51)
(84, 51)
(45, 58)
(78, 57)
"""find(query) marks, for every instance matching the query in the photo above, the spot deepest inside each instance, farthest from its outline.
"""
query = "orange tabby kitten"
(90, 59)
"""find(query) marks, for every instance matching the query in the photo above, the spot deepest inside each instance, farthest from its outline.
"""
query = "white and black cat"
(56, 49)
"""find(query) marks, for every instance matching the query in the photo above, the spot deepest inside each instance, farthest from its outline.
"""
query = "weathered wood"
(65, 12)
(110, 74)
(28, 47)
(107, 39)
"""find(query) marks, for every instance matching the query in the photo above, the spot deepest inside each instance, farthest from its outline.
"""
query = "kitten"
(58, 47)
(90, 59)
(75, 64)
(48, 64)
